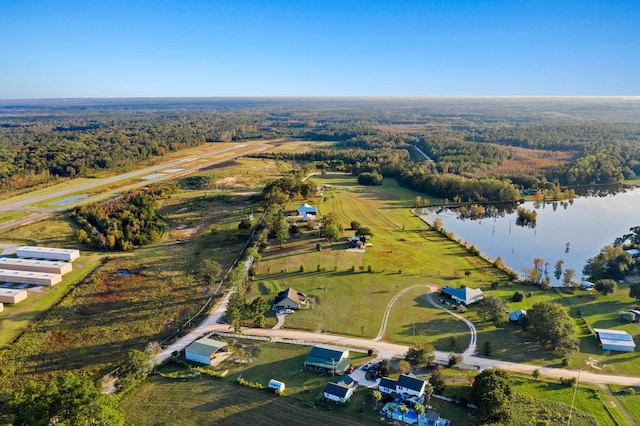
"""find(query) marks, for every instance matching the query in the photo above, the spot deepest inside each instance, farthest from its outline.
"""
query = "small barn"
(615, 340)
(289, 299)
(338, 392)
(465, 296)
(276, 385)
(207, 351)
(328, 358)
(12, 295)
(517, 315)
(636, 314)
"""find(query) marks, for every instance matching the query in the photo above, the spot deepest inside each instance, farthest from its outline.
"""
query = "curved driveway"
(385, 349)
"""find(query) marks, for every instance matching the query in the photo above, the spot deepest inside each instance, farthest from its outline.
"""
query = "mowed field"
(405, 253)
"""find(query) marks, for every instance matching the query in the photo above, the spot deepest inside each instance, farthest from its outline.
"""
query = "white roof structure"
(616, 340)
(306, 208)
(11, 295)
(48, 253)
(34, 265)
(26, 277)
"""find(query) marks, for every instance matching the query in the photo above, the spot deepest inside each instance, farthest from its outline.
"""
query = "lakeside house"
(465, 296)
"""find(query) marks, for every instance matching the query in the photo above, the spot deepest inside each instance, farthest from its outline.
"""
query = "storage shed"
(25, 277)
(34, 265)
(207, 351)
(49, 253)
(12, 295)
(277, 385)
(615, 340)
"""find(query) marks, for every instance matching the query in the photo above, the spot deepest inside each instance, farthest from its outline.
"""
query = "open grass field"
(405, 252)
(7, 216)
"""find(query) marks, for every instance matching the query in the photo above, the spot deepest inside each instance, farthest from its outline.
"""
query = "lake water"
(587, 224)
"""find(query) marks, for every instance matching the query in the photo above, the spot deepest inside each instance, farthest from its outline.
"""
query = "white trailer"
(34, 265)
(26, 277)
(49, 253)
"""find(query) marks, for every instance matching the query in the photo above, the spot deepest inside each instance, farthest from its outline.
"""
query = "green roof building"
(328, 358)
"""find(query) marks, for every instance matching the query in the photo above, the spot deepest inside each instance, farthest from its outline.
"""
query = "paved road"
(170, 170)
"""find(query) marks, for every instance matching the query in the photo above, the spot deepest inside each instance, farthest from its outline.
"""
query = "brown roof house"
(289, 299)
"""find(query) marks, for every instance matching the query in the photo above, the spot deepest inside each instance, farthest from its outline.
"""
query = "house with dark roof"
(465, 296)
(289, 299)
(328, 358)
(406, 387)
(338, 392)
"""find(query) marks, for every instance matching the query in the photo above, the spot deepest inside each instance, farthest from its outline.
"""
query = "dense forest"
(122, 223)
(478, 149)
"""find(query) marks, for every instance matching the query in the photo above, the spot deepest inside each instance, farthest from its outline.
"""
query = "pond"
(573, 231)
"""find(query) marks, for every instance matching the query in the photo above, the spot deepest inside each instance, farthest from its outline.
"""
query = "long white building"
(34, 265)
(67, 255)
(26, 277)
(10, 295)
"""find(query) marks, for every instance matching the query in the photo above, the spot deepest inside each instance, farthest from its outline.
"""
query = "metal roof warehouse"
(26, 277)
(33, 265)
(68, 255)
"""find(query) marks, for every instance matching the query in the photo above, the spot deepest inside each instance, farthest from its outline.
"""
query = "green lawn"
(405, 252)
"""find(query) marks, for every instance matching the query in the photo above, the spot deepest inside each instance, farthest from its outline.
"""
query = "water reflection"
(571, 231)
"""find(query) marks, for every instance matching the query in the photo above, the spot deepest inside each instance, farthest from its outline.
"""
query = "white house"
(338, 392)
(406, 387)
(615, 340)
(307, 212)
(465, 296)
(207, 351)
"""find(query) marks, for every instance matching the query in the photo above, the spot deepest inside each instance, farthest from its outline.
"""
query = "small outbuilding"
(636, 314)
(465, 296)
(515, 316)
(634, 253)
(276, 385)
(307, 212)
(1, 307)
(289, 299)
(615, 340)
(338, 392)
(12, 295)
(207, 351)
(49, 253)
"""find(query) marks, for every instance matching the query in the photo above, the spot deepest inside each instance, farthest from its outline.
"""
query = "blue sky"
(58, 49)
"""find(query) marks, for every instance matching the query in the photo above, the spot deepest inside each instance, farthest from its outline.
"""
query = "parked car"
(288, 311)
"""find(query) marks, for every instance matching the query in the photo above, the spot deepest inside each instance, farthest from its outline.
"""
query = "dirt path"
(387, 310)
(616, 404)
(471, 349)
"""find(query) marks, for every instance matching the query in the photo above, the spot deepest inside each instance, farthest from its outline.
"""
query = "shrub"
(353, 268)
(518, 296)
(629, 390)
(318, 268)
(568, 381)
(301, 268)
(318, 247)
(370, 269)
